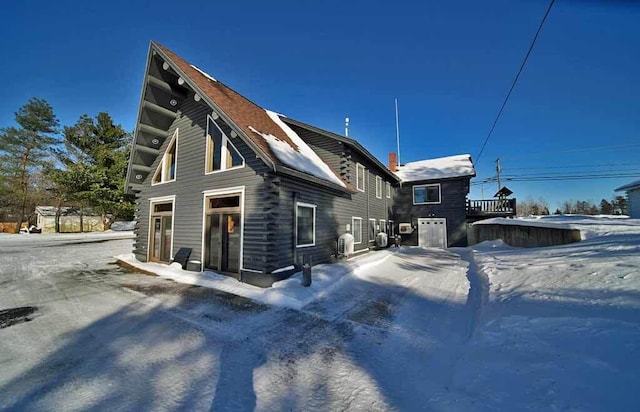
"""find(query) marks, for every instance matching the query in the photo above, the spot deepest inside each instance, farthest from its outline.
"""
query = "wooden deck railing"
(494, 207)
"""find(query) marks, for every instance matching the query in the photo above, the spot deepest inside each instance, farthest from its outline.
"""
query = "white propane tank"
(381, 239)
(345, 245)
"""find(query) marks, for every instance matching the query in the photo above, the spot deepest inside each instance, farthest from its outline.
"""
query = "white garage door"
(432, 232)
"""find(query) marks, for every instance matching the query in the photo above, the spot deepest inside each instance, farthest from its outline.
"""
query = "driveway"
(83, 334)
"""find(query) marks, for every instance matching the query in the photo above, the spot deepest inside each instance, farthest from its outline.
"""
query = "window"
(360, 177)
(356, 229)
(372, 230)
(426, 194)
(378, 187)
(305, 225)
(166, 171)
(392, 229)
(388, 190)
(220, 152)
(383, 226)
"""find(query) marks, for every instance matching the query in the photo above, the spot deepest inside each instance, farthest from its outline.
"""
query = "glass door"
(214, 242)
(161, 232)
(223, 234)
(230, 242)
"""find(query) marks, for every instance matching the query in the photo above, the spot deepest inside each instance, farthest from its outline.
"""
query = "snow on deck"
(304, 159)
(440, 168)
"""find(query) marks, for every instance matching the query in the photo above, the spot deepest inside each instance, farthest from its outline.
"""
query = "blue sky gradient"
(449, 64)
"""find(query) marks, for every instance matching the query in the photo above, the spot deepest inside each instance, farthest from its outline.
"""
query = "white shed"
(633, 198)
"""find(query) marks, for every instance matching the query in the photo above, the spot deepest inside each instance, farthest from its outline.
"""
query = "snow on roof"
(207, 75)
(441, 168)
(630, 186)
(304, 159)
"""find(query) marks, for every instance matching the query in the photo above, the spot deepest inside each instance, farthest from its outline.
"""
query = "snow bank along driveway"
(494, 328)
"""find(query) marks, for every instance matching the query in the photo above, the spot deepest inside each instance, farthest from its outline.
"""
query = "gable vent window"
(426, 194)
(305, 225)
(166, 171)
(360, 177)
(221, 153)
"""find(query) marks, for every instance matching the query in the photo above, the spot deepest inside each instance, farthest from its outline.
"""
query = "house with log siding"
(253, 193)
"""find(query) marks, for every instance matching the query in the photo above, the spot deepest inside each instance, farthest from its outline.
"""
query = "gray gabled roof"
(630, 186)
(346, 140)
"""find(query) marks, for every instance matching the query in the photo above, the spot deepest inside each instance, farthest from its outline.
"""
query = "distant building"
(69, 219)
(633, 198)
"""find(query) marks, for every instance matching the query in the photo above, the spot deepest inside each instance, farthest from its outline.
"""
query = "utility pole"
(499, 170)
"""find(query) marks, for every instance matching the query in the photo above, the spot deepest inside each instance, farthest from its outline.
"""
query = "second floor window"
(360, 177)
(221, 153)
(425, 194)
(378, 187)
(166, 171)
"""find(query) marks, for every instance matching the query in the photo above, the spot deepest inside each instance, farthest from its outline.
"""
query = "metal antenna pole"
(397, 132)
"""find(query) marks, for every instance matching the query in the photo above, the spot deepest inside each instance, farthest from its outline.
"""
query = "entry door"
(161, 238)
(223, 242)
(432, 232)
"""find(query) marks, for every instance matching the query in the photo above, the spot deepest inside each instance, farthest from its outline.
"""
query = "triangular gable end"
(168, 81)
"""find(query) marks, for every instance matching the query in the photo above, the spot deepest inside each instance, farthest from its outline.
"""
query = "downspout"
(295, 228)
(367, 188)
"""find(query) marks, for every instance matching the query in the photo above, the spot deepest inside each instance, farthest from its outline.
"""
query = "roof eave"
(127, 188)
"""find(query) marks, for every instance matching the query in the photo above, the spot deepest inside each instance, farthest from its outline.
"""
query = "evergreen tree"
(606, 208)
(620, 205)
(95, 159)
(25, 150)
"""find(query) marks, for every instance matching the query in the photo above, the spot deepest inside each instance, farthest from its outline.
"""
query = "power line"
(630, 164)
(584, 149)
(513, 85)
(556, 178)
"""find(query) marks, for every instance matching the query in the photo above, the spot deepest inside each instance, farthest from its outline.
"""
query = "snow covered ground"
(488, 328)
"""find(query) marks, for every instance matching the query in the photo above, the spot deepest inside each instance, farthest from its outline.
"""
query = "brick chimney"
(393, 162)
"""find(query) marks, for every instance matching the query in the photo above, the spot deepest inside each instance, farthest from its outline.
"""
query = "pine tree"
(620, 205)
(95, 159)
(606, 208)
(25, 150)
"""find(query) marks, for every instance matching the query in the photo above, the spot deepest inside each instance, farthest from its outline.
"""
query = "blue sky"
(575, 109)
